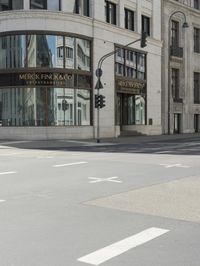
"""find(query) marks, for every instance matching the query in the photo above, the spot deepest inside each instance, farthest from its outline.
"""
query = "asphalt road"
(73, 203)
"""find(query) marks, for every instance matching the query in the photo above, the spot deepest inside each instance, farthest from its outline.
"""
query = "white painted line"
(8, 173)
(69, 164)
(45, 157)
(109, 179)
(174, 165)
(118, 248)
(160, 152)
(2, 200)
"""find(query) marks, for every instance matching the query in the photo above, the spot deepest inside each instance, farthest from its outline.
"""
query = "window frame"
(110, 8)
(129, 19)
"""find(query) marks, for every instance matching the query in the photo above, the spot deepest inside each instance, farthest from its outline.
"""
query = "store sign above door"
(36, 79)
(133, 87)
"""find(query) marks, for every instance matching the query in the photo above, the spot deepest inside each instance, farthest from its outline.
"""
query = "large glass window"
(44, 51)
(69, 52)
(11, 4)
(130, 64)
(44, 107)
(83, 54)
(13, 51)
(133, 109)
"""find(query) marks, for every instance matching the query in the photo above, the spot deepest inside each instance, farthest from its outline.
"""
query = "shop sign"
(55, 79)
(37, 79)
(128, 86)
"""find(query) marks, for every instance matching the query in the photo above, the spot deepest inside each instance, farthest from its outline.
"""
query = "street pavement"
(131, 201)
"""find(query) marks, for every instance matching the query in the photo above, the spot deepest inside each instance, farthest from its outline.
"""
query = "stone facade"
(183, 111)
(104, 37)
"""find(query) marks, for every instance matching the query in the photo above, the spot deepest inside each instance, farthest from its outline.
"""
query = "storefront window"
(139, 110)
(13, 51)
(69, 52)
(44, 107)
(45, 51)
(83, 54)
(50, 93)
(83, 107)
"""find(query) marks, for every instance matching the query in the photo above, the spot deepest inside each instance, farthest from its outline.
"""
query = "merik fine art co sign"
(36, 79)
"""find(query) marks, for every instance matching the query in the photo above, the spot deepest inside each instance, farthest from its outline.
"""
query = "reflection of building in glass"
(12, 52)
(83, 54)
(39, 53)
(69, 52)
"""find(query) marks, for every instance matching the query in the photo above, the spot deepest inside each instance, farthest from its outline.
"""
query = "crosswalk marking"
(100, 256)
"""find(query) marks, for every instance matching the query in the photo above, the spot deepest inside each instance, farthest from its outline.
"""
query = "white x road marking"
(174, 165)
(109, 179)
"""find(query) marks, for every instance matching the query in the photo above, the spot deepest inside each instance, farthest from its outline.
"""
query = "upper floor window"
(131, 64)
(110, 12)
(196, 40)
(11, 4)
(175, 84)
(45, 4)
(82, 7)
(196, 87)
(146, 25)
(175, 33)
(129, 19)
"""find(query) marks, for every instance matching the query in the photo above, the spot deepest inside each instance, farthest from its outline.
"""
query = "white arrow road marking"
(118, 248)
(8, 173)
(174, 165)
(109, 179)
(69, 164)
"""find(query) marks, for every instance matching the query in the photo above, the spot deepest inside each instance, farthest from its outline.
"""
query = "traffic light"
(102, 101)
(143, 42)
(99, 101)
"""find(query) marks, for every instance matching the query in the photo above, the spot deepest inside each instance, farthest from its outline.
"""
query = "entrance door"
(177, 123)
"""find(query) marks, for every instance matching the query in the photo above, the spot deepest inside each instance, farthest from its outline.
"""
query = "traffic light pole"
(99, 74)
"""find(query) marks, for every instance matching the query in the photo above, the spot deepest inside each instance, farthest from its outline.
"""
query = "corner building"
(49, 51)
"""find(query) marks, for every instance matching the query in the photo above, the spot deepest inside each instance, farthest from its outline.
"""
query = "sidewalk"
(69, 143)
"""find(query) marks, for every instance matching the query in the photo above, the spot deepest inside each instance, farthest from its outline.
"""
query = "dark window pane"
(53, 5)
(4, 5)
(17, 4)
(38, 4)
(146, 25)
